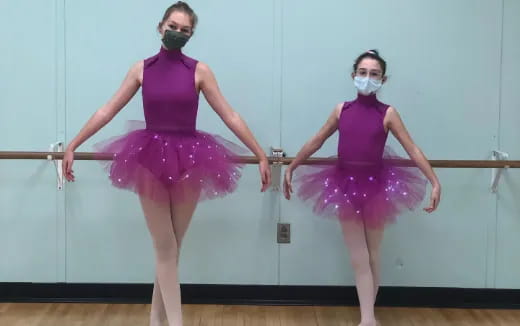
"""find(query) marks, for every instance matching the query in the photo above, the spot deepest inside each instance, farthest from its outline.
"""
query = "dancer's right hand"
(68, 160)
(287, 183)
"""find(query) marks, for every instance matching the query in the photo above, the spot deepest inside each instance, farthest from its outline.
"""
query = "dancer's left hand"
(435, 198)
(265, 174)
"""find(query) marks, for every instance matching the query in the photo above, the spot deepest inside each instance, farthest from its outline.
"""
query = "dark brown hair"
(372, 54)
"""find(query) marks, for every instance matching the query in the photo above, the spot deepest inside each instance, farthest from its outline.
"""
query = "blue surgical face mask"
(366, 85)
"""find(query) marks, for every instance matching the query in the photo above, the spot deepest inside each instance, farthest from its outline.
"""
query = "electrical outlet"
(284, 233)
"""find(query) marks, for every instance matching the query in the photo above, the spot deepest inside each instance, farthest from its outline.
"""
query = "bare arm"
(311, 147)
(315, 143)
(231, 118)
(394, 123)
(207, 83)
(103, 115)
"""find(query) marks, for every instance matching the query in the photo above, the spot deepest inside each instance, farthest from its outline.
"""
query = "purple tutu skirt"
(172, 166)
(372, 194)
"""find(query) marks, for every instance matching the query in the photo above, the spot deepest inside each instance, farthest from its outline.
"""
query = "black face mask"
(174, 40)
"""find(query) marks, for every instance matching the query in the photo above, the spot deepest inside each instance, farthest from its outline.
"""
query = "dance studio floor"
(201, 315)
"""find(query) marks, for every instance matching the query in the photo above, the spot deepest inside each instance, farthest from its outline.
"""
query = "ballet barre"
(89, 156)
(498, 163)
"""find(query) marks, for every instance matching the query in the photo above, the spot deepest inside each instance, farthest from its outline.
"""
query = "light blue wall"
(283, 65)
(29, 221)
(508, 208)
